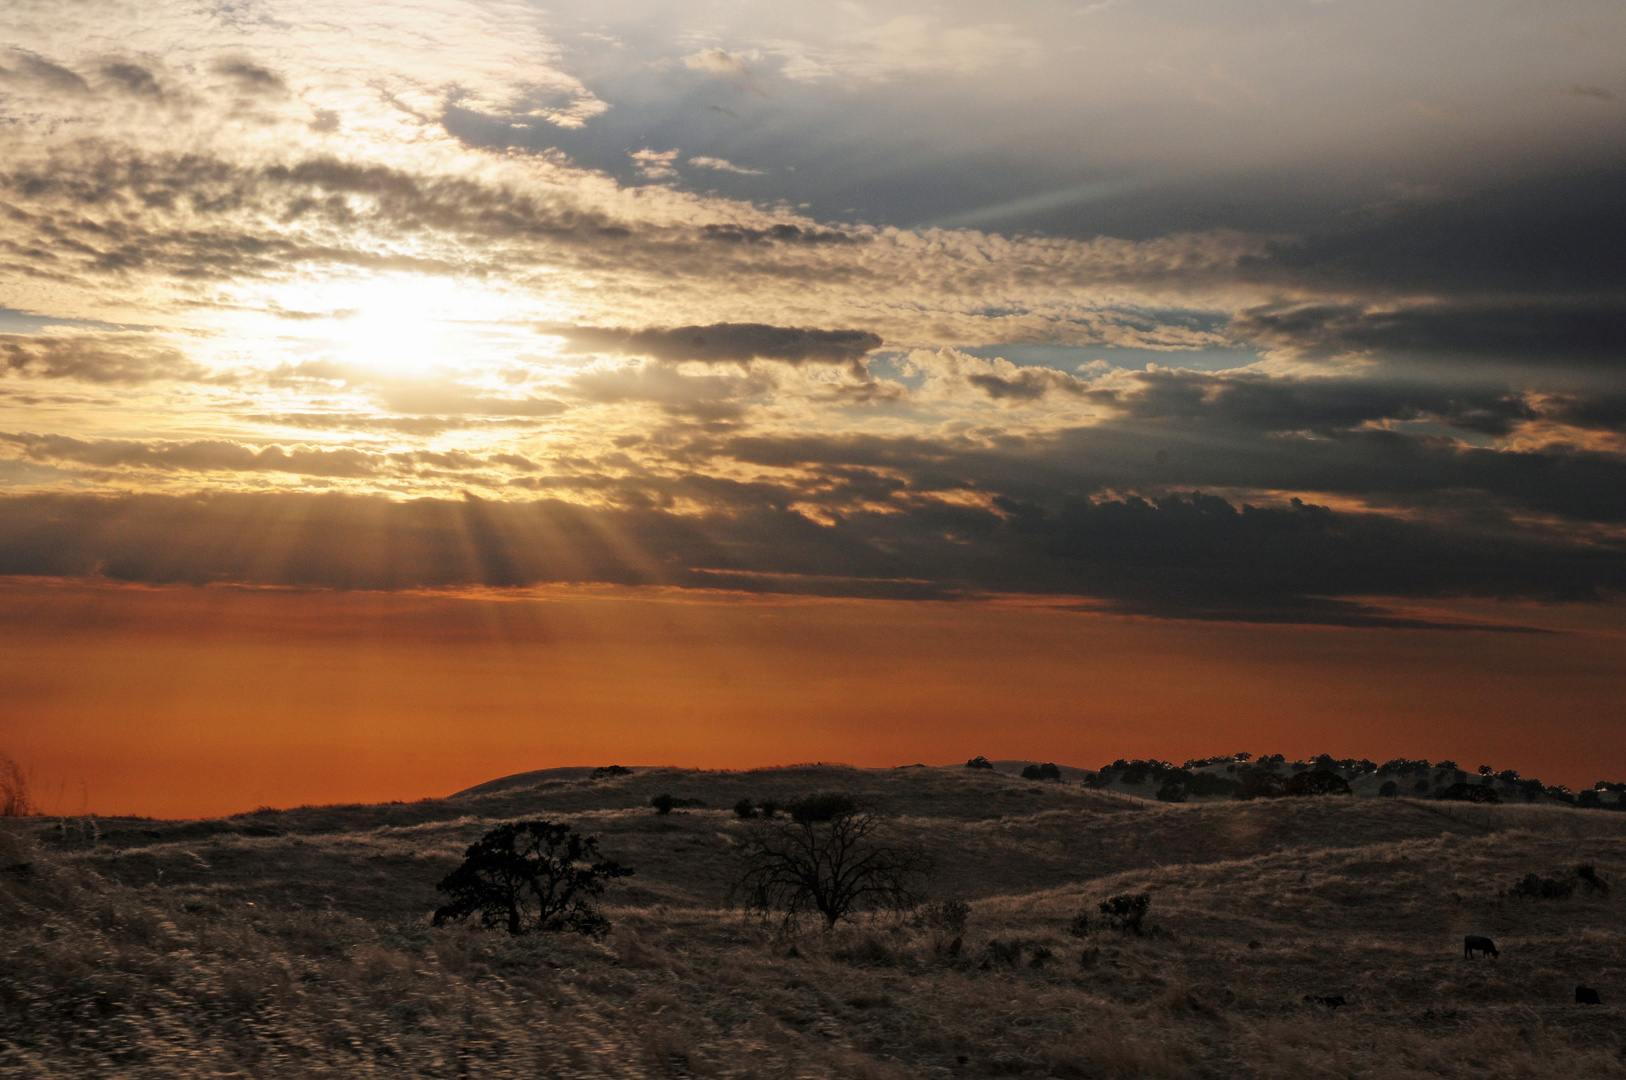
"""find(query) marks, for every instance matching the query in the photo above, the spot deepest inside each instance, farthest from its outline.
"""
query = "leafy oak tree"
(530, 876)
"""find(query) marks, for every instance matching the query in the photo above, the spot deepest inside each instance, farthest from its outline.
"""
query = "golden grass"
(297, 944)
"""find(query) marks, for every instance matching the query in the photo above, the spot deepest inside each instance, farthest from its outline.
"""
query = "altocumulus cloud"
(266, 281)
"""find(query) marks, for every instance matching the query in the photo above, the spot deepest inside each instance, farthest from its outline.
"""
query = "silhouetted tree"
(745, 809)
(663, 803)
(979, 762)
(530, 876)
(1047, 771)
(1389, 789)
(828, 858)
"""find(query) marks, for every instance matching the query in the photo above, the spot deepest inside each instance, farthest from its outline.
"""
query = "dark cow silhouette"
(1472, 943)
(1585, 995)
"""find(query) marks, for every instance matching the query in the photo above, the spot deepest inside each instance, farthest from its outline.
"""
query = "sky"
(397, 396)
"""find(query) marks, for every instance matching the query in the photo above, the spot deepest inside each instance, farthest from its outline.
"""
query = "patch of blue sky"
(1078, 359)
(13, 321)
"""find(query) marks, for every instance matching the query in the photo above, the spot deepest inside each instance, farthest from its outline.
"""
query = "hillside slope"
(293, 943)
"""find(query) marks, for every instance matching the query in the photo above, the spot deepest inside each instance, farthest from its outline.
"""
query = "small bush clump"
(1588, 873)
(1127, 912)
(1535, 887)
(745, 809)
(1474, 793)
(947, 917)
(979, 762)
(1048, 771)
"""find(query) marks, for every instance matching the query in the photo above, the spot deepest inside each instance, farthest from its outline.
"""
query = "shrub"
(1389, 789)
(663, 803)
(1047, 771)
(744, 809)
(767, 808)
(947, 917)
(610, 770)
(1262, 785)
(979, 762)
(1127, 912)
(1080, 926)
(530, 876)
(1589, 874)
(1475, 793)
(1588, 799)
(826, 806)
(1202, 784)
(1534, 886)
(1171, 791)
(1422, 787)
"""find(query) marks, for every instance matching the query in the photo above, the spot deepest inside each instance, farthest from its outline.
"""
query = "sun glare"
(396, 325)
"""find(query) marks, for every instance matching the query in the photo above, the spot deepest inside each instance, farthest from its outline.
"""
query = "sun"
(397, 324)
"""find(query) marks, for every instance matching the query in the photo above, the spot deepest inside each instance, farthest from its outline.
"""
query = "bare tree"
(828, 858)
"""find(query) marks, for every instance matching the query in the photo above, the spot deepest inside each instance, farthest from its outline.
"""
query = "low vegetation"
(1067, 931)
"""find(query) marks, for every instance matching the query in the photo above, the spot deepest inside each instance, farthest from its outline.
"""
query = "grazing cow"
(1472, 943)
(1585, 995)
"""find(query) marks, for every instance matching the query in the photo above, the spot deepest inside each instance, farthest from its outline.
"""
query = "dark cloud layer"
(722, 342)
(1194, 556)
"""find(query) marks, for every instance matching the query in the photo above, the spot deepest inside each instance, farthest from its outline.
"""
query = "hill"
(297, 942)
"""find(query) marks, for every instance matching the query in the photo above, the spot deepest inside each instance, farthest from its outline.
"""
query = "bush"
(1203, 784)
(1172, 791)
(947, 917)
(530, 876)
(1422, 787)
(767, 808)
(610, 770)
(1127, 912)
(1389, 789)
(979, 762)
(663, 803)
(1262, 785)
(744, 809)
(1535, 887)
(1589, 874)
(1047, 771)
(1080, 926)
(826, 806)
(1319, 783)
(1474, 793)
(1588, 800)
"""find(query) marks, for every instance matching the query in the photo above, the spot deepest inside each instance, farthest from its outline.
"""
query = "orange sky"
(197, 701)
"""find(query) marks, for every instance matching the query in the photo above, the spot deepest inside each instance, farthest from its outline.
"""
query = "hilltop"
(297, 942)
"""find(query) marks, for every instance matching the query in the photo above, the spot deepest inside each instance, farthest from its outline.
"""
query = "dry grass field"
(297, 943)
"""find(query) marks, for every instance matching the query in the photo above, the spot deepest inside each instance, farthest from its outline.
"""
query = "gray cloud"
(1190, 556)
(725, 342)
(127, 358)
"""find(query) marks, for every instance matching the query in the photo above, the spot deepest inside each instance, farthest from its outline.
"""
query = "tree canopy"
(530, 876)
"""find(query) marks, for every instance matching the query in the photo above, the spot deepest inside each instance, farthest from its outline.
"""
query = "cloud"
(118, 358)
(1190, 556)
(724, 342)
(655, 164)
(717, 164)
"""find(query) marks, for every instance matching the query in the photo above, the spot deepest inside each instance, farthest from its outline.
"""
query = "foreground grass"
(297, 944)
